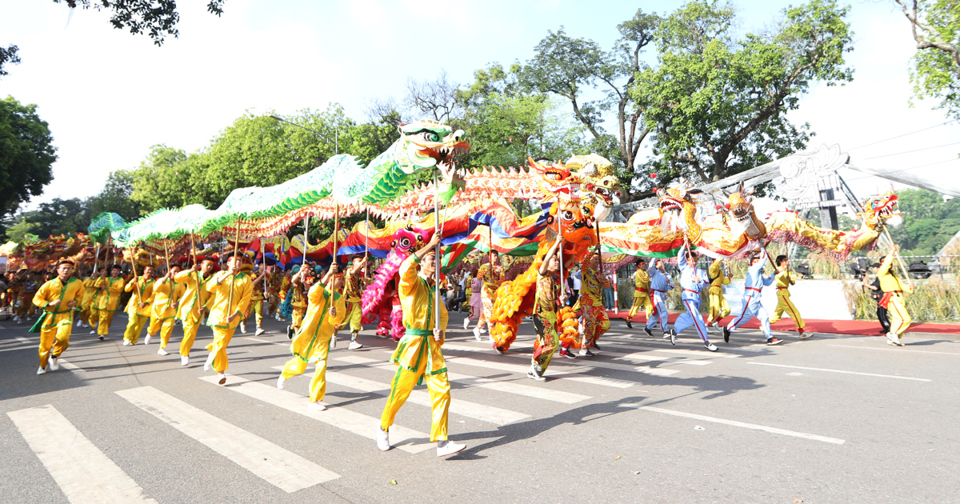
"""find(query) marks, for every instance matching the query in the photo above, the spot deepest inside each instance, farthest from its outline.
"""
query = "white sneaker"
(259, 332)
(483, 330)
(146, 341)
(710, 346)
(93, 332)
(79, 323)
(243, 328)
(383, 439)
(41, 371)
(223, 378)
(280, 381)
(476, 333)
(466, 323)
(892, 340)
(54, 365)
(445, 448)
(806, 335)
(162, 352)
(315, 406)
(126, 343)
(354, 345)
(209, 362)
(184, 360)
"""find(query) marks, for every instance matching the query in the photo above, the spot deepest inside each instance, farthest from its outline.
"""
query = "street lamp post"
(336, 132)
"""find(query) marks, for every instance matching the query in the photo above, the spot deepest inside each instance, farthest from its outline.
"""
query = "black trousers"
(882, 317)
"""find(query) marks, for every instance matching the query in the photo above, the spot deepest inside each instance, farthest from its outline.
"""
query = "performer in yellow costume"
(595, 318)
(259, 300)
(231, 291)
(418, 355)
(325, 313)
(492, 276)
(57, 298)
(641, 296)
(194, 302)
(86, 305)
(110, 289)
(163, 313)
(93, 314)
(545, 307)
(783, 281)
(138, 308)
(893, 289)
(352, 290)
(719, 307)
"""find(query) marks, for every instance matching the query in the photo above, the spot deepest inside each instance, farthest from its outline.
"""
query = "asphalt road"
(829, 419)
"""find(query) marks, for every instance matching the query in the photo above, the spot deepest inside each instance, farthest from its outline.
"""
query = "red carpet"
(856, 327)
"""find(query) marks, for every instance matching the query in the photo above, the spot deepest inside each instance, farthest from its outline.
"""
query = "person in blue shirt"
(751, 300)
(659, 285)
(692, 281)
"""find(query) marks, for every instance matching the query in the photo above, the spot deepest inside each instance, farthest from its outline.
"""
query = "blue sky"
(109, 95)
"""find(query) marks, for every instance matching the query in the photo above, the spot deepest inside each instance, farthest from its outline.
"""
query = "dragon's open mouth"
(741, 213)
(670, 203)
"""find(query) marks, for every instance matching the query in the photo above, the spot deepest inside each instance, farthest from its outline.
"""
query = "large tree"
(26, 154)
(936, 66)
(60, 216)
(718, 102)
(116, 197)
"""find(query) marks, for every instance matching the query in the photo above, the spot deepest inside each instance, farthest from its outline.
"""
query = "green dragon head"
(426, 143)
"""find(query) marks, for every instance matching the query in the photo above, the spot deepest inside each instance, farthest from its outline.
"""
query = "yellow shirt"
(165, 295)
(110, 289)
(88, 292)
(222, 306)
(54, 290)
(417, 298)
(492, 277)
(317, 320)
(195, 296)
(642, 280)
(784, 279)
(717, 273)
(591, 287)
(353, 286)
(143, 294)
(888, 281)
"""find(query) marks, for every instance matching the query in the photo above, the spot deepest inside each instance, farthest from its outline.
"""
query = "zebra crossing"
(90, 475)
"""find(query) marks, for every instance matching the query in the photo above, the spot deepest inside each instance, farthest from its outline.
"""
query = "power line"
(903, 169)
(912, 151)
(903, 135)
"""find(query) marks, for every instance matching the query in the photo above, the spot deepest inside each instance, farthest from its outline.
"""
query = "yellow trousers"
(164, 326)
(353, 316)
(785, 305)
(403, 383)
(106, 318)
(297, 365)
(900, 320)
(56, 338)
(719, 307)
(641, 299)
(221, 338)
(93, 318)
(296, 318)
(190, 327)
(134, 328)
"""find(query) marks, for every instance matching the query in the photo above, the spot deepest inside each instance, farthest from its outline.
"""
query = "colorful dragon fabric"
(380, 300)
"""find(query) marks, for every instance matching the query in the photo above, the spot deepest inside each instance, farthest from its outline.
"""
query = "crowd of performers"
(224, 295)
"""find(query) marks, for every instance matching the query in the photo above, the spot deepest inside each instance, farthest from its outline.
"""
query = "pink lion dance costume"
(380, 299)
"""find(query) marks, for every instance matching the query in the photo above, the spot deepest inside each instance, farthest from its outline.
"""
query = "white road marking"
(566, 373)
(81, 470)
(897, 350)
(25, 340)
(697, 353)
(69, 365)
(282, 468)
(408, 440)
(840, 371)
(772, 430)
(460, 407)
(591, 363)
(499, 384)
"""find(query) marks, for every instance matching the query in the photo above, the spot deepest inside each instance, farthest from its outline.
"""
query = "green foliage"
(506, 121)
(936, 66)
(115, 197)
(929, 222)
(157, 18)
(718, 103)
(54, 218)
(26, 154)
(8, 55)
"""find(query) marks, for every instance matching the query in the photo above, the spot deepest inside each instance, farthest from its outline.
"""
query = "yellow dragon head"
(601, 188)
(678, 210)
(743, 219)
(881, 210)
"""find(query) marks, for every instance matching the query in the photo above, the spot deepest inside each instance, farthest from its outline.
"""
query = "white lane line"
(772, 430)
(697, 353)
(499, 384)
(81, 470)
(282, 468)
(24, 340)
(566, 373)
(69, 365)
(460, 407)
(408, 440)
(589, 363)
(898, 350)
(840, 371)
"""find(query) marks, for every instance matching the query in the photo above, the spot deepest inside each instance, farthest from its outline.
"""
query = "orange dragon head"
(881, 210)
